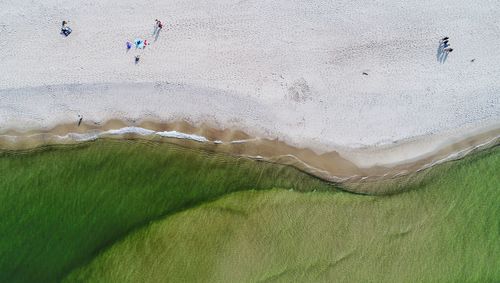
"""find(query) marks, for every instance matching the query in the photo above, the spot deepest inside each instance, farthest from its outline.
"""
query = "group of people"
(142, 44)
(444, 49)
(138, 42)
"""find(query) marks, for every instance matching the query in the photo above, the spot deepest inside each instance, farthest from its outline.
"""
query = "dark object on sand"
(80, 121)
(473, 60)
(159, 24)
(364, 73)
(445, 38)
(137, 58)
(66, 31)
(448, 50)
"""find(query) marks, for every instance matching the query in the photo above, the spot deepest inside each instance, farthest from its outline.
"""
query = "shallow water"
(63, 205)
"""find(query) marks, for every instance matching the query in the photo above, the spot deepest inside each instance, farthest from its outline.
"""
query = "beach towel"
(139, 43)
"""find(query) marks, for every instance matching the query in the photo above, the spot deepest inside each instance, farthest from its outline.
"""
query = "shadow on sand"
(157, 34)
(442, 55)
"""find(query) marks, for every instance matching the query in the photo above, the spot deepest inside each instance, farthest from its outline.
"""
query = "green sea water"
(132, 211)
(62, 205)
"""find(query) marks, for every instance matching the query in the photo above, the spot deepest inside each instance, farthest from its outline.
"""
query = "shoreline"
(341, 166)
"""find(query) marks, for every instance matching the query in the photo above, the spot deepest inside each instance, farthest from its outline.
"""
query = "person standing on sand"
(158, 26)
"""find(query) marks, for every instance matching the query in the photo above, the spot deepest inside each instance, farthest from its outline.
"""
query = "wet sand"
(334, 166)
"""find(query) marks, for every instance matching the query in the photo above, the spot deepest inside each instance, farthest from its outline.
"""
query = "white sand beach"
(287, 70)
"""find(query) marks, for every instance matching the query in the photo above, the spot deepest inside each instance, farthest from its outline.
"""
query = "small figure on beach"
(129, 45)
(443, 50)
(146, 43)
(139, 43)
(158, 26)
(80, 119)
(137, 58)
(65, 29)
(157, 29)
